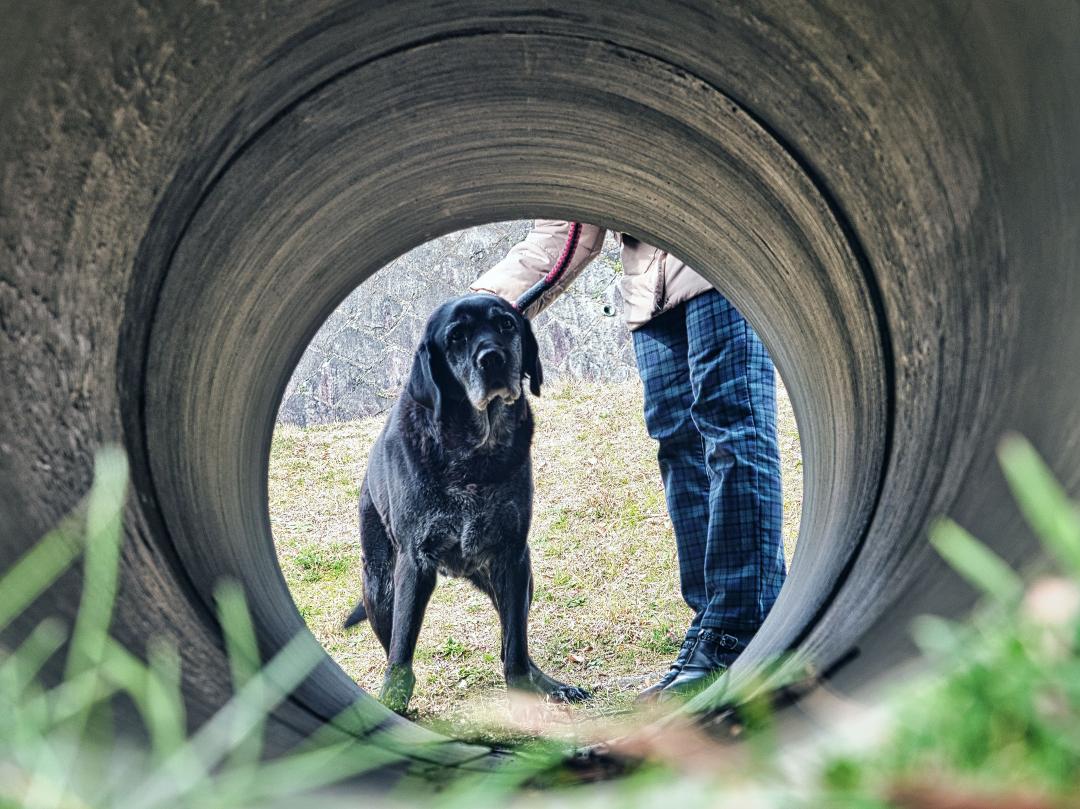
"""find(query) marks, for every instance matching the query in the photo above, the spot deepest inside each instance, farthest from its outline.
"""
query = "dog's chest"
(476, 522)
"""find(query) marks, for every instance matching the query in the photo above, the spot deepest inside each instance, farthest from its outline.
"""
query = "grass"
(992, 723)
(58, 747)
(607, 613)
(996, 722)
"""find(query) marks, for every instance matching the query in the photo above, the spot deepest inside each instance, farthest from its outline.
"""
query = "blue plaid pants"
(710, 402)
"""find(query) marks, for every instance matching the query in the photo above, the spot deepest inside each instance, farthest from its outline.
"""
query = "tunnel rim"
(224, 167)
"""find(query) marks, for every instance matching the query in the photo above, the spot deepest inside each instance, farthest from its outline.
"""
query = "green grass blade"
(76, 697)
(975, 562)
(939, 638)
(104, 531)
(242, 649)
(240, 640)
(164, 713)
(25, 717)
(188, 769)
(1044, 503)
(302, 772)
(19, 670)
(155, 689)
(38, 569)
(84, 688)
(359, 720)
(48, 775)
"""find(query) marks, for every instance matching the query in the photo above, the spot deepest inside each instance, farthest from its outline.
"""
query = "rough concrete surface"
(891, 193)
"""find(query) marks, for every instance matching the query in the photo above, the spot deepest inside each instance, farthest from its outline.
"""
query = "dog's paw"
(397, 688)
(547, 688)
(569, 693)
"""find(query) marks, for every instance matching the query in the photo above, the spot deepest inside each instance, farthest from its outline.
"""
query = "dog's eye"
(506, 324)
(456, 334)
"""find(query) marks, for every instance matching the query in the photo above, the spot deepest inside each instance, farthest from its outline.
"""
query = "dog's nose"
(490, 359)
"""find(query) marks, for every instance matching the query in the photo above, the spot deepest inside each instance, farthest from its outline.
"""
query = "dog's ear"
(430, 377)
(530, 357)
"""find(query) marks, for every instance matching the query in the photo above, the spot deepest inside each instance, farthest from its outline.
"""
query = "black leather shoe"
(653, 691)
(711, 656)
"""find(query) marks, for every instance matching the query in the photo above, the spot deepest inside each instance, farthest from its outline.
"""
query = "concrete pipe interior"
(891, 198)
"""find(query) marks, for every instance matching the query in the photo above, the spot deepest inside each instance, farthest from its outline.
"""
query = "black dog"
(449, 489)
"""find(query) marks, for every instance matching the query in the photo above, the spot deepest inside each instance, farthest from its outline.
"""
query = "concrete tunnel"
(889, 192)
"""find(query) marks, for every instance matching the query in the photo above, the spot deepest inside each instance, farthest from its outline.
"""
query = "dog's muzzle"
(494, 378)
(491, 361)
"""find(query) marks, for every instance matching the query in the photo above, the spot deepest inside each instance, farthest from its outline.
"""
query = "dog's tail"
(356, 616)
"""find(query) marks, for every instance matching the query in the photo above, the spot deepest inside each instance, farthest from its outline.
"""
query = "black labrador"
(449, 490)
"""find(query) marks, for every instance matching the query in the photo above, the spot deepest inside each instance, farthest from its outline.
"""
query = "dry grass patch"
(607, 614)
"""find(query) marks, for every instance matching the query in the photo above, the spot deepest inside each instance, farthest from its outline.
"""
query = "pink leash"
(549, 280)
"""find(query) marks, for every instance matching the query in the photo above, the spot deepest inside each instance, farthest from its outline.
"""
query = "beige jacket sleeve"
(530, 260)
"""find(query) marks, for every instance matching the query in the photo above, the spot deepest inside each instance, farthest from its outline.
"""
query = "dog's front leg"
(511, 590)
(413, 586)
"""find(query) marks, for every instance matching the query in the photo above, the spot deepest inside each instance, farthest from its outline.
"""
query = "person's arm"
(531, 259)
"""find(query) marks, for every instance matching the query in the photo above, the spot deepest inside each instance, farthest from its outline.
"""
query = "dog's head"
(477, 348)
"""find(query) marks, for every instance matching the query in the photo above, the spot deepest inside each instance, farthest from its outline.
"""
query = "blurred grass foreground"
(994, 721)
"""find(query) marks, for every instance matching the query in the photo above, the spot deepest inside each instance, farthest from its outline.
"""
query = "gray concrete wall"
(888, 191)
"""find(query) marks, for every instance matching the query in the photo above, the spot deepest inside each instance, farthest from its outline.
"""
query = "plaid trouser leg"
(734, 409)
(662, 359)
(727, 516)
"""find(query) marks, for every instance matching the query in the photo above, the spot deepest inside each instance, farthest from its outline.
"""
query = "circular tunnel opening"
(607, 612)
(355, 173)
